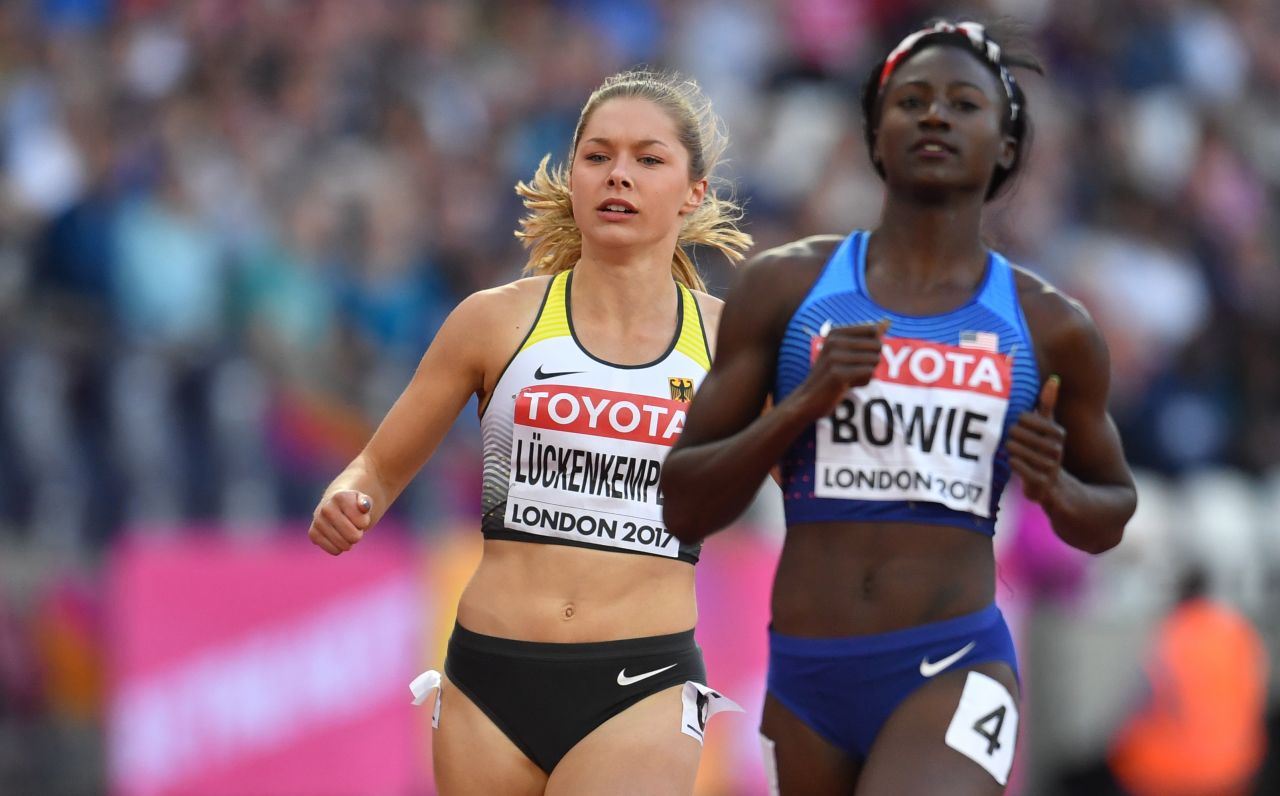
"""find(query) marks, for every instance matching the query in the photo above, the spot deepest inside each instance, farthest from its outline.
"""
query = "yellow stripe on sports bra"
(553, 321)
(692, 342)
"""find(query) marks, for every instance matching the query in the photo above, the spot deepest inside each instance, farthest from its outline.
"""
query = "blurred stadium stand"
(228, 228)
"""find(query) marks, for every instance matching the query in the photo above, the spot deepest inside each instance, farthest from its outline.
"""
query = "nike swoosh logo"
(539, 375)
(623, 679)
(929, 669)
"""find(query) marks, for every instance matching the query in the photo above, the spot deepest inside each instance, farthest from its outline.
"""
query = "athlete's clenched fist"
(1035, 445)
(340, 521)
(848, 359)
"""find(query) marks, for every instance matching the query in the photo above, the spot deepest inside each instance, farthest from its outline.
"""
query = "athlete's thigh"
(919, 751)
(472, 756)
(638, 752)
(805, 762)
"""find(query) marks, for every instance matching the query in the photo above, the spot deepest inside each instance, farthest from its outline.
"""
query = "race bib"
(700, 704)
(926, 427)
(984, 727)
(585, 466)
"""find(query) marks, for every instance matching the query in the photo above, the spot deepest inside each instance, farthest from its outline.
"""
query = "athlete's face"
(630, 176)
(941, 125)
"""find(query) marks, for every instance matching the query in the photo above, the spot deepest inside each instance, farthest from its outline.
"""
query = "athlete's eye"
(595, 157)
(649, 160)
(968, 106)
(910, 103)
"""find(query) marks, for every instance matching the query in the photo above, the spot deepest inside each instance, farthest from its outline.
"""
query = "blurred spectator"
(1200, 732)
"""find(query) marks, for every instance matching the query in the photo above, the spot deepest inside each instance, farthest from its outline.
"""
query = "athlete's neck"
(625, 289)
(929, 245)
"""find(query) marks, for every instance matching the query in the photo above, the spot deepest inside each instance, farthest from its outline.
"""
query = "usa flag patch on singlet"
(987, 341)
(926, 427)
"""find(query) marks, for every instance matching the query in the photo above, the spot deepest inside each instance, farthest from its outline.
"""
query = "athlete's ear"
(877, 158)
(1008, 152)
(697, 192)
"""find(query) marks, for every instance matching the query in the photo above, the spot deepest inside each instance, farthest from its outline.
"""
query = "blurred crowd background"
(229, 228)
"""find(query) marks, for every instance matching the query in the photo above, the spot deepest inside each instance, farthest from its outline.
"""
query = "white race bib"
(926, 427)
(985, 725)
(700, 704)
(585, 465)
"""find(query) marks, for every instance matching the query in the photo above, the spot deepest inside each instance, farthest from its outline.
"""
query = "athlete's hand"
(848, 359)
(1035, 445)
(340, 521)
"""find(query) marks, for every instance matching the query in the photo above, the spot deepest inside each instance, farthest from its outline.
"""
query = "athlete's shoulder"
(778, 271)
(504, 301)
(495, 319)
(529, 288)
(1038, 295)
(1058, 322)
(797, 252)
(774, 284)
(709, 307)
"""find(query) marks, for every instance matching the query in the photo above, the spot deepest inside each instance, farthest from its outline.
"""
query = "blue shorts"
(846, 688)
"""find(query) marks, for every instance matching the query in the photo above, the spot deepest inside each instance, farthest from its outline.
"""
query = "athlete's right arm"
(728, 447)
(450, 372)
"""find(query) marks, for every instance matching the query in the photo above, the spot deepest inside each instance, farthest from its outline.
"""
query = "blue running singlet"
(923, 442)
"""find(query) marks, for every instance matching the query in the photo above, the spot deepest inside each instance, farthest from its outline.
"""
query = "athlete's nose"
(935, 114)
(618, 176)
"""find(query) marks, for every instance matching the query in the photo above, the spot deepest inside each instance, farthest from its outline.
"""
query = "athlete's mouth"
(617, 206)
(934, 146)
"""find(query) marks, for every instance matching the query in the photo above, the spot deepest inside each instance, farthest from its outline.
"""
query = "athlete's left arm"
(711, 308)
(1067, 451)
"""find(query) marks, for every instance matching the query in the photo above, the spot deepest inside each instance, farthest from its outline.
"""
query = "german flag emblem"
(681, 389)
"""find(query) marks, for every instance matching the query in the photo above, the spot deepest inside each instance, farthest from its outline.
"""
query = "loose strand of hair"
(548, 230)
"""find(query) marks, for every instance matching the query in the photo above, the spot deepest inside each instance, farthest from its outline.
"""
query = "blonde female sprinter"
(573, 668)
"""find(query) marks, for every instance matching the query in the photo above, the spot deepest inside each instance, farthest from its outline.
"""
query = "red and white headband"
(976, 35)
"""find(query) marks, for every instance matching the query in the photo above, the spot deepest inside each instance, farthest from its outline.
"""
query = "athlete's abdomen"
(856, 578)
(565, 594)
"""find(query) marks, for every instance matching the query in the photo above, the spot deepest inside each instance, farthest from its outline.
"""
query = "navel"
(868, 585)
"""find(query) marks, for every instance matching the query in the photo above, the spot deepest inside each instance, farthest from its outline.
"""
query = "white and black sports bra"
(574, 445)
